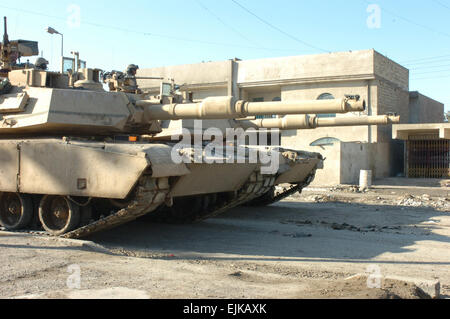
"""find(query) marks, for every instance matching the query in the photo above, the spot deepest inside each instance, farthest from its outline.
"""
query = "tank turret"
(42, 103)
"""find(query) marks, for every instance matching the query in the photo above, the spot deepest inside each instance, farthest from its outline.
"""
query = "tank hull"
(108, 184)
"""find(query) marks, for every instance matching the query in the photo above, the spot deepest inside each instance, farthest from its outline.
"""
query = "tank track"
(255, 187)
(272, 196)
(149, 194)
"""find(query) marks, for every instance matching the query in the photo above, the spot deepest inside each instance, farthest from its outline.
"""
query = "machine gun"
(11, 51)
(121, 82)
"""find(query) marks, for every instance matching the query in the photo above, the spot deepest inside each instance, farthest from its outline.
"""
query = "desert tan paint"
(229, 108)
(299, 122)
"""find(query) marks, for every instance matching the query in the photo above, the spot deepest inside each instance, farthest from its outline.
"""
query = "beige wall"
(391, 71)
(422, 109)
(344, 162)
(330, 65)
(201, 74)
(390, 99)
(354, 158)
(267, 95)
(199, 94)
(331, 172)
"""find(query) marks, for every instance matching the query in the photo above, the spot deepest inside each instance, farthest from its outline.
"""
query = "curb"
(84, 244)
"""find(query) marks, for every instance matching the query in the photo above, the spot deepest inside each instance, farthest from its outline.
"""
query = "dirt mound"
(357, 288)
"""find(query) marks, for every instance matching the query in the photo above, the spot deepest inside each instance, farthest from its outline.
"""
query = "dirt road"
(303, 247)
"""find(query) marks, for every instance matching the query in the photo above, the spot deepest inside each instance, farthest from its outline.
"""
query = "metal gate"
(428, 157)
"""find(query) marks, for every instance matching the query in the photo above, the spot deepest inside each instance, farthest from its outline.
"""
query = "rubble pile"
(348, 189)
(322, 198)
(425, 200)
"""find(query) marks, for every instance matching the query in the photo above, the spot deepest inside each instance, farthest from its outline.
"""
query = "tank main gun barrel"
(148, 78)
(230, 108)
(301, 122)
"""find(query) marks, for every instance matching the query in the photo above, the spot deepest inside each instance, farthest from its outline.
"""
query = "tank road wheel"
(16, 210)
(58, 215)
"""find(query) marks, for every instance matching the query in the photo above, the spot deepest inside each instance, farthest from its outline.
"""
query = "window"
(326, 96)
(325, 141)
(69, 64)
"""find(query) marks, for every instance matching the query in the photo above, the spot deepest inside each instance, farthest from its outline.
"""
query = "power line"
(144, 33)
(430, 67)
(410, 21)
(222, 21)
(423, 59)
(278, 29)
(435, 71)
(428, 62)
(432, 78)
(441, 4)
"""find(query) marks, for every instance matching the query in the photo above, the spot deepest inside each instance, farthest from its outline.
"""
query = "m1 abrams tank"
(77, 160)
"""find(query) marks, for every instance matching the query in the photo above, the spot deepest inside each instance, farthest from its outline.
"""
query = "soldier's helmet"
(132, 67)
(41, 63)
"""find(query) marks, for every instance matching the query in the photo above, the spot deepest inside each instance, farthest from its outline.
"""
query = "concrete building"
(380, 81)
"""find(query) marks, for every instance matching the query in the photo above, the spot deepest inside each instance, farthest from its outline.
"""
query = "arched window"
(326, 96)
(325, 141)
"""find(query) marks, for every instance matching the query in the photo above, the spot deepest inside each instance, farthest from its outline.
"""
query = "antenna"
(5, 33)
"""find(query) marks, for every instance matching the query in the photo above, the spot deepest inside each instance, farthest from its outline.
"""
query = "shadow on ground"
(322, 232)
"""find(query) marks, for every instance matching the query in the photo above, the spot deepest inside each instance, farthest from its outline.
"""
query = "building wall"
(422, 109)
(354, 158)
(266, 95)
(390, 71)
(196, 76)
(331, 172)
(309, 67)
(201, 94)
(344, 162)
(390, 99)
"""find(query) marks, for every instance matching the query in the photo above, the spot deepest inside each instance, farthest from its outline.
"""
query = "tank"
(77, 159)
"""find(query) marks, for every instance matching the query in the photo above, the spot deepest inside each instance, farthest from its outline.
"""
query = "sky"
(112, 34)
